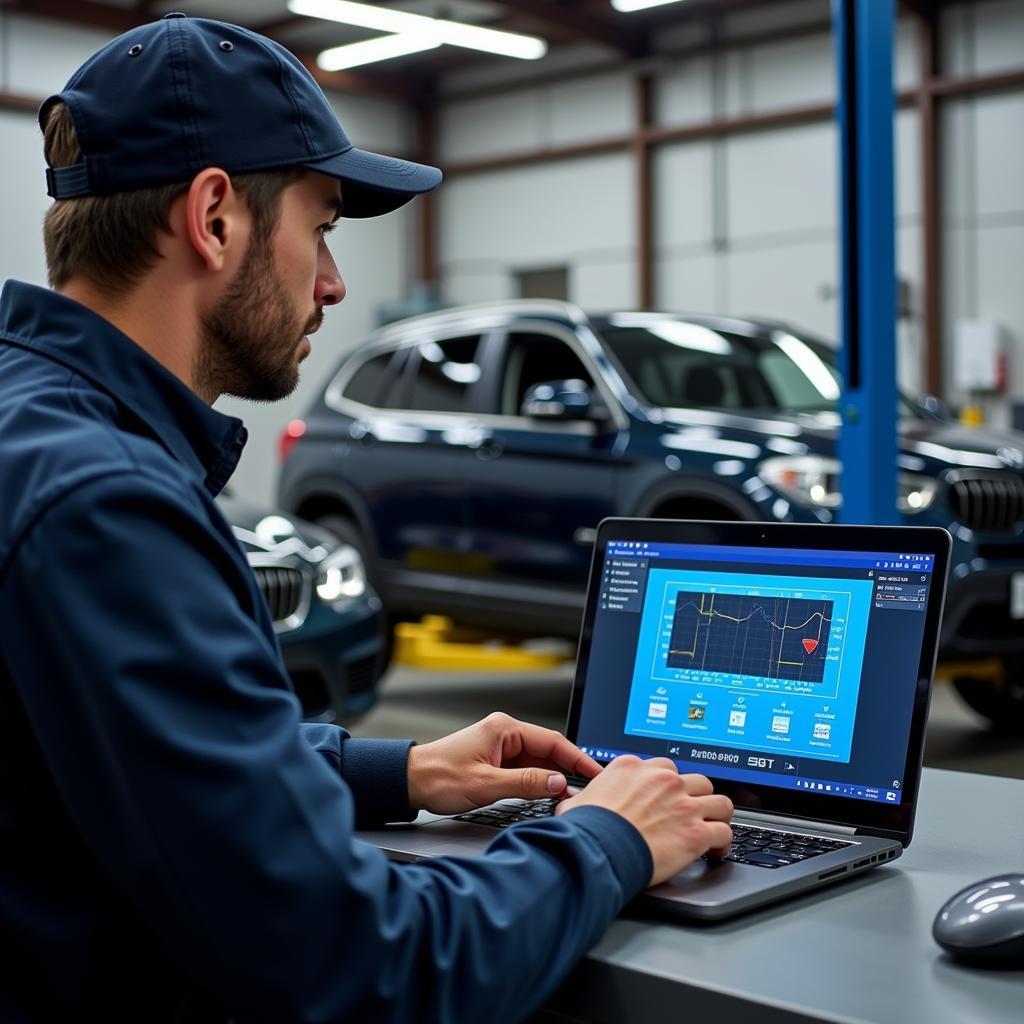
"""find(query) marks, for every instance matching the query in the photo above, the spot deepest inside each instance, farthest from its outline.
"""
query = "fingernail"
(556, 783)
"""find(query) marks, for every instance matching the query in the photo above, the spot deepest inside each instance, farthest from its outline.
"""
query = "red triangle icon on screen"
(810, 645)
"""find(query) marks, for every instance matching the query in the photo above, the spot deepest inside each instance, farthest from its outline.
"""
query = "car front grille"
(362, 674)
(988, 503)
(284, 589)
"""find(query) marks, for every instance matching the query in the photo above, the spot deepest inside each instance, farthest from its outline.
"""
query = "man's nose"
(330, 288)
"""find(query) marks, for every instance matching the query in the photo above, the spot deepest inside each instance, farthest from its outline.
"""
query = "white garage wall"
(982, 194)
(747, 223)
(376, 257)
(578, 212)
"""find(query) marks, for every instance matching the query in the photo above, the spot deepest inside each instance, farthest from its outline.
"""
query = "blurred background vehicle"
(469, 454)
(327, 618)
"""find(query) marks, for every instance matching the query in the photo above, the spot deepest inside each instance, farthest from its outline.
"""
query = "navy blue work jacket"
(174, 843)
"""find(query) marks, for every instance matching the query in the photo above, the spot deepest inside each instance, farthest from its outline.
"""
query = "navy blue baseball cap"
(161, 102)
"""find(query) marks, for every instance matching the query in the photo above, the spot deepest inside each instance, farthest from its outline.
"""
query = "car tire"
(346, 531)
(1000, 700)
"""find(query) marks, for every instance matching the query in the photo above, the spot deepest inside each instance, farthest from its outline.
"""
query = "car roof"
(491, 314)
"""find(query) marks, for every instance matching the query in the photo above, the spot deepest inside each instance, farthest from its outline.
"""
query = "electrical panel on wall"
(979, 356)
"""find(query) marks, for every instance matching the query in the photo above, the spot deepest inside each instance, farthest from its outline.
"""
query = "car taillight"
(291, 434)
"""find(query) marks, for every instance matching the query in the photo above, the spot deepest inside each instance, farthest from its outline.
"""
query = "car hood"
(269, 531)
(958, 445)
(943, 442)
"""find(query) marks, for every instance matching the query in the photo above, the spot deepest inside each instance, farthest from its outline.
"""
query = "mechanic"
(175, 845)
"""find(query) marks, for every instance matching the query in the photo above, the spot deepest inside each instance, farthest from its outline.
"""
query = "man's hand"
(494, 759)
(676, 814)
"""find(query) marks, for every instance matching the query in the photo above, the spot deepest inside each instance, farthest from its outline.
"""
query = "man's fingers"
(525, 783)
(698, 785)
(716, 807)
(535, 745)
(719, 838)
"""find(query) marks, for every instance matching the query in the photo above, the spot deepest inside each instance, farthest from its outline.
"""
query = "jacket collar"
(207, 442)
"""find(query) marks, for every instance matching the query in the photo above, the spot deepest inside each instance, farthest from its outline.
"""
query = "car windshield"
(677, 363)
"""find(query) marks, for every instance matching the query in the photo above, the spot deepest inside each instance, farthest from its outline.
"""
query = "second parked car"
(469, 455)
(327, 617)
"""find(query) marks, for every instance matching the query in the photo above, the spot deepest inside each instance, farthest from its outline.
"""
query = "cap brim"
(375, 184)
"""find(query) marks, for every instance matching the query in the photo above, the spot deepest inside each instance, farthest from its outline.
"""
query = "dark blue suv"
(469, 454)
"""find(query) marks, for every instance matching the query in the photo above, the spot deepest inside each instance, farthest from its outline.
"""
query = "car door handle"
(362, 434)
(489, 448)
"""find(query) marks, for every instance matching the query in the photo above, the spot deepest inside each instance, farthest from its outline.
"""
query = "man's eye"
(326, 229)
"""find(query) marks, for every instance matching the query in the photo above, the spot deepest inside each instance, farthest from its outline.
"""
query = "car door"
(407, 443)
(536, 488)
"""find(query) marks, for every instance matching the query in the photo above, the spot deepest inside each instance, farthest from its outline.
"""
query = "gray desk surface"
(861, 951)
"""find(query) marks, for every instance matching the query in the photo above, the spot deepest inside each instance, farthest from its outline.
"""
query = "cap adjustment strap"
(67, 182)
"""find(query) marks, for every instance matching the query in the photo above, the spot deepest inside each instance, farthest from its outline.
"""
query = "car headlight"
(813, 480)
(915, 492)
(806, 479)
(342, 576)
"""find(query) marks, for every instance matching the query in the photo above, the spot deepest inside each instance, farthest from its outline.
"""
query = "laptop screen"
(790, 667)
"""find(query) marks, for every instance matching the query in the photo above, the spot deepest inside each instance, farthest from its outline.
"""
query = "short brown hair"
(112, 240)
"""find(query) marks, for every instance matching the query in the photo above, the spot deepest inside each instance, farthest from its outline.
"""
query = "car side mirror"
(562, 400)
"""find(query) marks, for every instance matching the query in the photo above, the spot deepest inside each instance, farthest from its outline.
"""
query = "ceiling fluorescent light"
(363, 15)
(417, 26)
(353, 55)
(490, 40)
(640, 5)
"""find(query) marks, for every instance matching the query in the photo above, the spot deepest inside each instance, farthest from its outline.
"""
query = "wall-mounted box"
(979, 355)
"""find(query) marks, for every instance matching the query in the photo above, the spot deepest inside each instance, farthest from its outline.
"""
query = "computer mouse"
(984, 923)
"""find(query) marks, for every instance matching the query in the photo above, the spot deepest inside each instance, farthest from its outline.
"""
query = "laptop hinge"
(778, 819)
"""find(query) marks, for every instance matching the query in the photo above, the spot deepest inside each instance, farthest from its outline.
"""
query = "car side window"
(531, 358)
(444, 375)
(376, 381)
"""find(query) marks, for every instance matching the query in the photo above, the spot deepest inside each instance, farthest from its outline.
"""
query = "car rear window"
(377, 375)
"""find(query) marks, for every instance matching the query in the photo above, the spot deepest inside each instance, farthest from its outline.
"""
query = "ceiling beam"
(924, 9)
(629, 41)
(82, 12)
(277, 25)
(120, 19)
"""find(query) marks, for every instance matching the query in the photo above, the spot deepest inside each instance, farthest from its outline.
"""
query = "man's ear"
(212, 210)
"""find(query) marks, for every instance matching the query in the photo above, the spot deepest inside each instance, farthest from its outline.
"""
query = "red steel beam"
(931, 240)
(644, 198)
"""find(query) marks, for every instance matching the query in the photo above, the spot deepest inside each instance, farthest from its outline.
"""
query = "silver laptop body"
(791, 664)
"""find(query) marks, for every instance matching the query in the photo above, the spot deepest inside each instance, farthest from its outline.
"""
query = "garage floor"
(424, 706)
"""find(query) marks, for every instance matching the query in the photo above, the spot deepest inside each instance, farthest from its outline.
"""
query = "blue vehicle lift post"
(868, 433)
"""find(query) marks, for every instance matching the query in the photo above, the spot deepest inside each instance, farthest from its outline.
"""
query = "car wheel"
(348, 533)
(1000, 700)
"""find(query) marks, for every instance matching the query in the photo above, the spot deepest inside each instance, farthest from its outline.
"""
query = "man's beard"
(248, 346)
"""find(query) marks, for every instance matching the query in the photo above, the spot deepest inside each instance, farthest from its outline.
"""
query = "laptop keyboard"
(503, 815)
(761, 847)
(767, 848)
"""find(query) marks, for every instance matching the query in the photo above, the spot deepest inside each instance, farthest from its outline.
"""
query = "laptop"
(791, 664)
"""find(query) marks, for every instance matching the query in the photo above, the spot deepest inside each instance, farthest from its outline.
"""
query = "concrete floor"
(425, 706)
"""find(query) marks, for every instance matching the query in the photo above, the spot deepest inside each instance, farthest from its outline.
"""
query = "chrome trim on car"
(335, 399)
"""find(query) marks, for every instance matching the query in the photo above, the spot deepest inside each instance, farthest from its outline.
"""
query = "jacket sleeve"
(156, 701)
(376, 771)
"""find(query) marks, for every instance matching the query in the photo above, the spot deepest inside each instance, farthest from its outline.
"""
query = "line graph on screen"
(773, 637)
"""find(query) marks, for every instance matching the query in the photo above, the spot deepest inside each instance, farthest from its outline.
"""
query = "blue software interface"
(786, 667)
